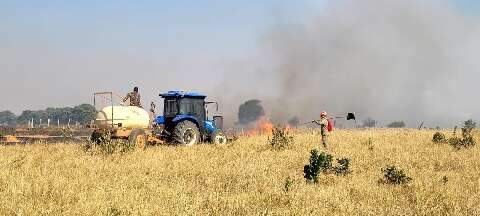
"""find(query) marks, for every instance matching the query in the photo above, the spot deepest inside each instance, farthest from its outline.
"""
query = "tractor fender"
(180, 118)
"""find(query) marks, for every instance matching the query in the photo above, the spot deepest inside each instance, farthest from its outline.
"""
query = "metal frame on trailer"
(111, 100)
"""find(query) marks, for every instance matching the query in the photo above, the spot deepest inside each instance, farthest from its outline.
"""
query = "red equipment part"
(330, 125)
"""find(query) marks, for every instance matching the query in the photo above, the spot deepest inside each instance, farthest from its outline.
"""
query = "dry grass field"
(246, 177)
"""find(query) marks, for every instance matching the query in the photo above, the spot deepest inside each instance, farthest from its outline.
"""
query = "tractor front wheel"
(218, 137)
(186, 133)
(138, 138)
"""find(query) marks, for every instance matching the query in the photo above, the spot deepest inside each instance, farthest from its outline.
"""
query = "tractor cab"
(185, 118)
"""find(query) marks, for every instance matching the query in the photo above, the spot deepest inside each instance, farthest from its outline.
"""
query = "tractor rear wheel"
(138, 139)
(186, 133)
(218, 137)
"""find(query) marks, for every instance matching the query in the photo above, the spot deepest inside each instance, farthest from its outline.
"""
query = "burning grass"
(246, 177)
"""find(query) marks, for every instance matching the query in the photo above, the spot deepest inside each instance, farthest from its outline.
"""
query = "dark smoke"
(250, 111)
(294, 122)
(403, 60)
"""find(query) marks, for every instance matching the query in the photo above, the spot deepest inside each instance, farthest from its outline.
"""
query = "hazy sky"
(58, 53)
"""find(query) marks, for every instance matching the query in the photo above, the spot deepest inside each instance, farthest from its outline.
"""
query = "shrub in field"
(67, 132)
(281, 138)
(456, 142)
(467, 139)
(343, 167)
(325, 162)
(288, 184)
(369, 143)
(439, 137)
(312, 169)
(467, 133)
(113, 212)
(444, 180)
(106, 146)
(322, 163)
(392, 175)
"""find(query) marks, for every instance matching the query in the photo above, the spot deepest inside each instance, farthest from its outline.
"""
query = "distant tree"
(60, 114)
(369, 122)
(396, 124)
(470, 124)
(84, 113)
(7, 118)
(250, 111)
(27, 115)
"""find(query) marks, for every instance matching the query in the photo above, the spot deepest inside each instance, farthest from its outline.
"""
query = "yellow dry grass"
(246, 177)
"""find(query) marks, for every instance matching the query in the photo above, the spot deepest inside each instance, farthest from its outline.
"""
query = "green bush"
(392, 175)
(343, 167)
(439, 137)
(456, 142)
(281, 138)
(325, 162)
(467, 139)
(312, 169)
(322, 163)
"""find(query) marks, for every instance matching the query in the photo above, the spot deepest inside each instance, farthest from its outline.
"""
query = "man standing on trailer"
(134, 97)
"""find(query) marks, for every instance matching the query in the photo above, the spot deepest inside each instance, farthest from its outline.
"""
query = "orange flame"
(261, 127)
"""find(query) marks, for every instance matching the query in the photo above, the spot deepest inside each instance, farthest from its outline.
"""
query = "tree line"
(82, 114)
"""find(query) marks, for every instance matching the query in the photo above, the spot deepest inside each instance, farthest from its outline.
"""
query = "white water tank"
(130, 117)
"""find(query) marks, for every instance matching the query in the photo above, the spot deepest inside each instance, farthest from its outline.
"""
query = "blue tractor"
(185, 119)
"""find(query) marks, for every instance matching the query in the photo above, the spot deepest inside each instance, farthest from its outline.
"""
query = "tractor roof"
(183, 94)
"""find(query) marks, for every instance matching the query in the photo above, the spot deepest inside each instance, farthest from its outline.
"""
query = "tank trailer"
(185, 121)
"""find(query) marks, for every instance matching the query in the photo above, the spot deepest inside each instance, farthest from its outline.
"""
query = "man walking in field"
(134, 97)
(323, 127)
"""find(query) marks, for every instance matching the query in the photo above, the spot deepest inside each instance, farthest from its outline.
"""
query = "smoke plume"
(391, 60)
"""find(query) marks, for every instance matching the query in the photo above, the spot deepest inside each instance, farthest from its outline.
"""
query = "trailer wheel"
(186, 133)
(218, 137)
(138, 138)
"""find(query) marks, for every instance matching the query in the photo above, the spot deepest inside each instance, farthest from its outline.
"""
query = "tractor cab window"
(189, 106)
(170, 108)
(186, 107)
